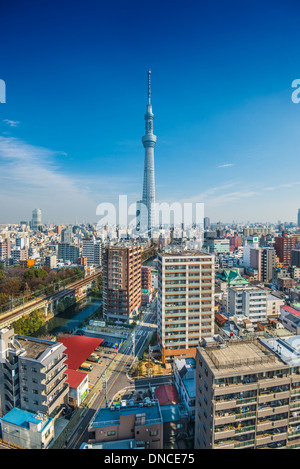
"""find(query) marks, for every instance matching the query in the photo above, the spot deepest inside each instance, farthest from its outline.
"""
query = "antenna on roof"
(149, 86)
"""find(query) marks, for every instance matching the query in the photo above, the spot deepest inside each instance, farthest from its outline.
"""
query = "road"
(119, 379)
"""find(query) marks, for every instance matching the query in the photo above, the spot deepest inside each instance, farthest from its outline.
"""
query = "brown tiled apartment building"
(121, 282)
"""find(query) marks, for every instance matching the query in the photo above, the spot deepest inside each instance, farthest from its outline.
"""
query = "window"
(154, 433)
(111, 433)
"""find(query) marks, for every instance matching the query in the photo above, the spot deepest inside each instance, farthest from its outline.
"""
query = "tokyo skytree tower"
(149, 141)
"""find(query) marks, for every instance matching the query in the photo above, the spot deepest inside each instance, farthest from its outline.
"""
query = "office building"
(92, 250)
(206, 223)
(295, 257)
(68, 252)
(121, 282)
(248, 394)
(36, 221)
(185, 304)
(67, 235)
(217, 245)
(32, 373)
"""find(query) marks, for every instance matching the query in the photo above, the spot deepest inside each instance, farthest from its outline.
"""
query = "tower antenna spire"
(149, 86)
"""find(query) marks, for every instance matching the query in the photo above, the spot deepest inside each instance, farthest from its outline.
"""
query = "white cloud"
(11, 123)
(225, 165)
(31, 176)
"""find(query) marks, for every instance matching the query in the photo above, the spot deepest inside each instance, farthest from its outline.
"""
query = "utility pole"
(133, 345)
(105, 387)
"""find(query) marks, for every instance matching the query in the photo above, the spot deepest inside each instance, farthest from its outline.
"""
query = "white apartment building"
(185, 306)
(92, 250)
(249, 302)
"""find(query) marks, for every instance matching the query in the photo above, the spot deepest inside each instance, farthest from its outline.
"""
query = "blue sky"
(228, 133)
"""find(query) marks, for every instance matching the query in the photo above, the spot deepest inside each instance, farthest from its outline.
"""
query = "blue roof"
(22, 418)
(108, 417)
(172, 412)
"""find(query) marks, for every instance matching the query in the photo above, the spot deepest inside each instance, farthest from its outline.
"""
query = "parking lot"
(106, 354)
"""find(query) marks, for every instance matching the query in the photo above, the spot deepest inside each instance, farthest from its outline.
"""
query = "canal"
(71, 318)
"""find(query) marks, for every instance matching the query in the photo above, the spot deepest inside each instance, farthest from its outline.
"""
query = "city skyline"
(71, 127)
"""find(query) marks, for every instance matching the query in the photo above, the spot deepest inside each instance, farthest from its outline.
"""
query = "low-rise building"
(185, 382)
(142, 422)
(27, 430)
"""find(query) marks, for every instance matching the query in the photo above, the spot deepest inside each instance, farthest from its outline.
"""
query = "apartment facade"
(121, 282)
(5, 249)
(284, 245)
(185, 305)
(32, 373)
(248, 395)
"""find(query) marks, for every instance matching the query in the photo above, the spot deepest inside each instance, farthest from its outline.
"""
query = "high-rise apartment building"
(248, 394)
(283, 246)
(185, 306)
(146, 277)
(51, 261)
(5, 250)
(121, 282)
(32, 373)
(264, 261)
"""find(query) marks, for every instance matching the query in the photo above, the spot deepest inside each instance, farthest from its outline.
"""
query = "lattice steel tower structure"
(149, 141)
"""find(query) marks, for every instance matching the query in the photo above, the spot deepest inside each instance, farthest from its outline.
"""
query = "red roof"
(75, 378)
(79, 348)
(166, 394)
(291, 310)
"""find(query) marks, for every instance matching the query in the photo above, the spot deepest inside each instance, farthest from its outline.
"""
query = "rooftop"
(173, 412)
(35, 347)
(287, 349)
(111, 416)
(184, 253)
(245, 355)
(23, 418)
(118, 444)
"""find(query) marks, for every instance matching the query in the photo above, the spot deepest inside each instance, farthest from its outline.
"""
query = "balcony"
(266, 411)
(271, 396)
(231, 431)
(270, 424)
(267, 438)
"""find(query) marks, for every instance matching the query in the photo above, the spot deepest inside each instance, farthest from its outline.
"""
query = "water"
(71, 318)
